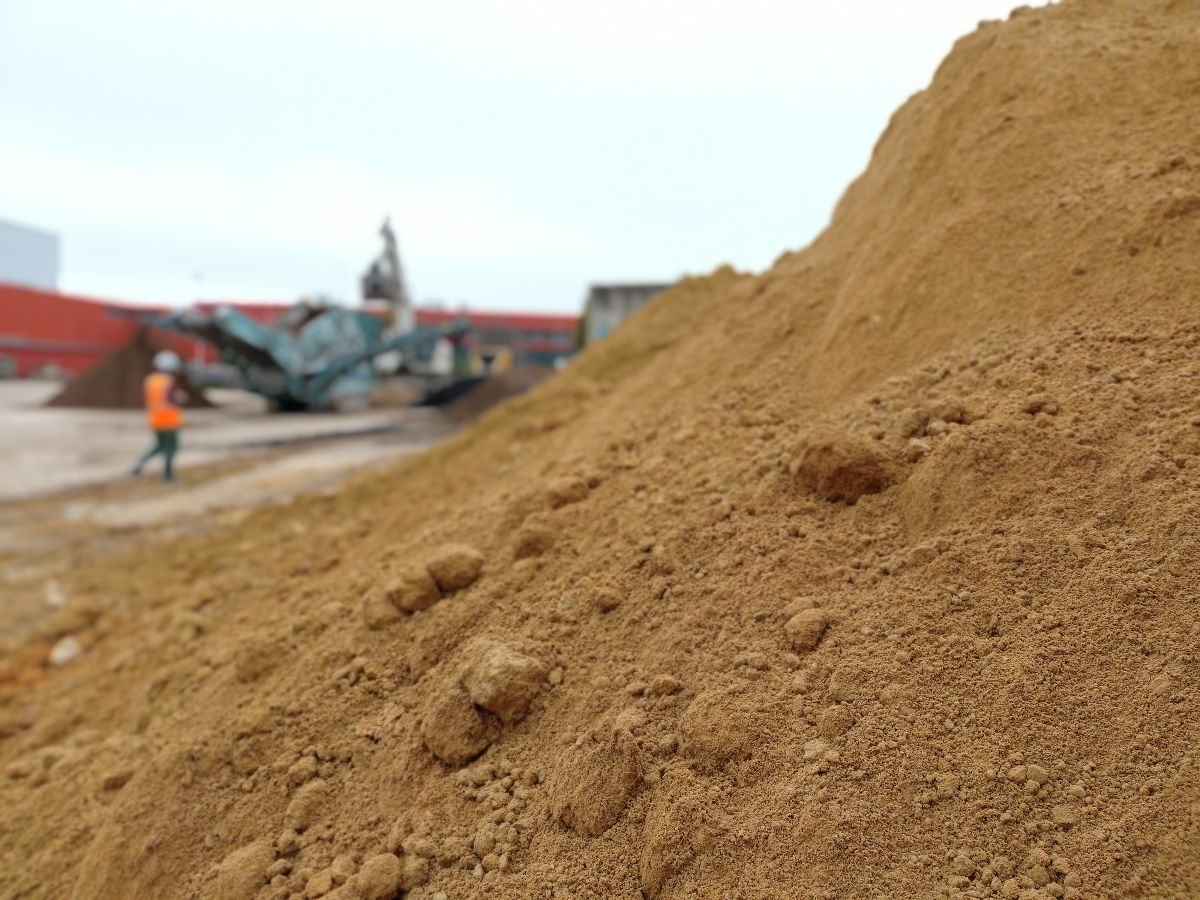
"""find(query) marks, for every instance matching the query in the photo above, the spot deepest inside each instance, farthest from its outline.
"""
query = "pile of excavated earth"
(871, 576)
(494, 390)
(115, 382)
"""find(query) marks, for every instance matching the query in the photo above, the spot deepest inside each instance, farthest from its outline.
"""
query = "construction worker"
(163, 398)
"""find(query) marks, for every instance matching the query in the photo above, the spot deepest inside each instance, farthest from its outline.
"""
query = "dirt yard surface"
(66, 493)
(49, 450)
(65, 480)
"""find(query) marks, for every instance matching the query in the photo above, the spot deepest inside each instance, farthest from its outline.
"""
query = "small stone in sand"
(805, 629)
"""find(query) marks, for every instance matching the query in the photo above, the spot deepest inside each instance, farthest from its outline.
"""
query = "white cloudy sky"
(248, 149)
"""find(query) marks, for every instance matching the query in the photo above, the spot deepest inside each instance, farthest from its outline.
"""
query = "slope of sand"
(871, 576)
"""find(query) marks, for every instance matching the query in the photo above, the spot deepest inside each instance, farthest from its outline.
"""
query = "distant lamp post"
(198, 346)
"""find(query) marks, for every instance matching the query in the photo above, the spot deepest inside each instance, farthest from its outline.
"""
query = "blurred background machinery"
(316, 356)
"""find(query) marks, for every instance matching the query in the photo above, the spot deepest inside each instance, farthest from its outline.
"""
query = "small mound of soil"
(116, 381)
(494, 390)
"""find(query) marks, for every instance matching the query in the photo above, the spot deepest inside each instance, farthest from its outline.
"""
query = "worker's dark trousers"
(166, 442)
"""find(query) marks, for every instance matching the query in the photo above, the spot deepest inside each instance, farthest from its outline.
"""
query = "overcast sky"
(249, 149)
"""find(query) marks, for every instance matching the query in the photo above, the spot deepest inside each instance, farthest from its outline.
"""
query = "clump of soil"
(116, 381)
(840, 467)
(626, 637)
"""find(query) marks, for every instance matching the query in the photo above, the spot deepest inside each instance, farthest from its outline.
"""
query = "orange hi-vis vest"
(162, 413)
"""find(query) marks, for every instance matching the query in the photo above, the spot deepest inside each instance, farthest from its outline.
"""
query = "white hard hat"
(166, 361)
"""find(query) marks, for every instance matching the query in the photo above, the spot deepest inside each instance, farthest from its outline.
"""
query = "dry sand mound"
(871, 576)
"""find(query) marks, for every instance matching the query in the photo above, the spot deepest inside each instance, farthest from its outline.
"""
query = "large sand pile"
(872, 576)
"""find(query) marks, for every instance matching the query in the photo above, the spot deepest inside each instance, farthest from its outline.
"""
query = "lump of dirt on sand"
(342, 868)
(804, 630)
(675, 832)
(605, 599)
(533, 539)
(319, 885)
(916, 422)
(593, 781)
(662, 685)
(504, 681)
(845, 683)
(720, 725)
(243, 872)
(416, 872)
(306, 805)
(455, 566)
(453, 729)
(413, 588)
(379, 876)
(378, 611)
(840, 467)
(564, 491)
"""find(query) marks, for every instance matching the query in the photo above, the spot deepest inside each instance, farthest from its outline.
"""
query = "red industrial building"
(45, 330)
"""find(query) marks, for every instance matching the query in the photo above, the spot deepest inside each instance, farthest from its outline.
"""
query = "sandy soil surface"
(66, 493)
(65, 478)
(869, 576)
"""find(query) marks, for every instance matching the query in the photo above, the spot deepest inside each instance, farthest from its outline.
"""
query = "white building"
(28, 256)
(608, 304)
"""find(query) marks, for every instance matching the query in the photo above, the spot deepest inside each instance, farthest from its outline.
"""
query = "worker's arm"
(177, 394)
